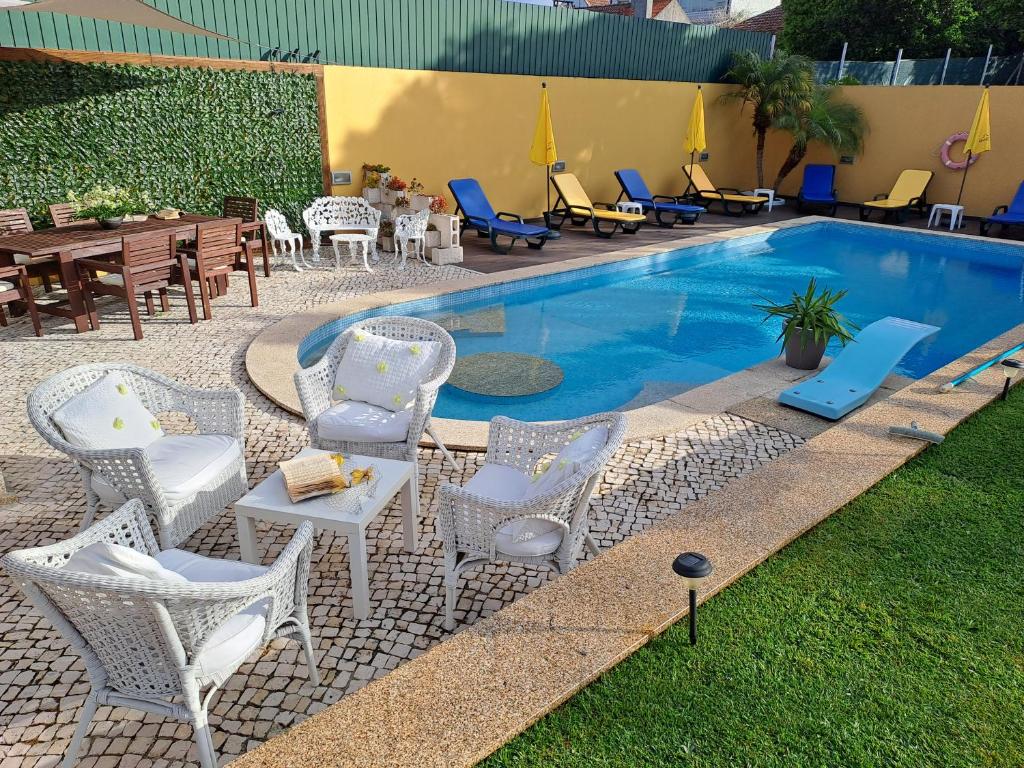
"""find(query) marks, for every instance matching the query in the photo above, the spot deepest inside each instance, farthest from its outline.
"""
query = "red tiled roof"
(769, 21)
(625, 9)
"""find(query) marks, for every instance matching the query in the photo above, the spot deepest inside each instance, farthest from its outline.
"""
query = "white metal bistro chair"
(166, 632)
(282, 240)
(337, 422)
(411, 237)
(104, 416)
(519, 506)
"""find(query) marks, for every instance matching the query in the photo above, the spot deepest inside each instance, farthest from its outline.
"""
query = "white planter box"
(389, 196)
(420, 202)
(433, 239)
(442, 256)
(387, 243)
(371, 194)
(447, 227)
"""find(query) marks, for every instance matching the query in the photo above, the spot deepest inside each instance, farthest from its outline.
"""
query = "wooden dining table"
(85, 241)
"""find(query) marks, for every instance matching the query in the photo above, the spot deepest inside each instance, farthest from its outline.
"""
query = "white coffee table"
(269, 501)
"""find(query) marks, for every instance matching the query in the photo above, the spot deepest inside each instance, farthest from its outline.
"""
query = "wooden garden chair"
(218, 251)
(248, 210)
(14, 286)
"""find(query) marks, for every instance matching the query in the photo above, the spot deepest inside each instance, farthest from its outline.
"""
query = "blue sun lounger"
(859, 369)
(478, 214)
(667, 213)
(818, 189)
(1007, 215)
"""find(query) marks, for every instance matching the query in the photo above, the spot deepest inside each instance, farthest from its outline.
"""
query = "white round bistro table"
(956, 215)
(354, 242)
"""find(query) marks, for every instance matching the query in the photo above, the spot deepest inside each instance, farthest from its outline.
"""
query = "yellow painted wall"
(908, 126)
(442, 125)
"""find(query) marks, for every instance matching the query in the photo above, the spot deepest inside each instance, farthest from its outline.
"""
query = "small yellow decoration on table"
(362, 475)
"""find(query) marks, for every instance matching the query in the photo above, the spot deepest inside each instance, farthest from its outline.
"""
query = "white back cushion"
(569, 460)
(103, 558)
(382, 371)
(107, 415)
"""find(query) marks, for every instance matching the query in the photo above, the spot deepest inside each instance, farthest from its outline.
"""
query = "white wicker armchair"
(314, 385)
(111, 477)
(164, 646)
(474, 521)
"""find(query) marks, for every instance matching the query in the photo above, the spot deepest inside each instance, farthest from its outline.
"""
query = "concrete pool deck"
(469, 695)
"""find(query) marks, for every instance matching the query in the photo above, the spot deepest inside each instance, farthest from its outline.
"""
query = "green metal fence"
(453, 35)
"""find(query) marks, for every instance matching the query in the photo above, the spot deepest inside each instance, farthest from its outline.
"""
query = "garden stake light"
(694, 568)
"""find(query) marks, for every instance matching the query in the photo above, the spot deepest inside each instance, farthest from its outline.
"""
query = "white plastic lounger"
(859, 369)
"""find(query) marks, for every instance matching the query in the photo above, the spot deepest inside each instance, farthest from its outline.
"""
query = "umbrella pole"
(553, 234)
(964, 179)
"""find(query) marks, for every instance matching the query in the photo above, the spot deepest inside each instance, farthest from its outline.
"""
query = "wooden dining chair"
(65, 214)
(218, 251)
(149, 262)
(14, 286)
(248, 210)
(15, 221)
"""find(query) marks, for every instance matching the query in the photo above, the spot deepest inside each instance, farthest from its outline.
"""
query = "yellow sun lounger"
(908, 192)
(576, 207)
(734, 202)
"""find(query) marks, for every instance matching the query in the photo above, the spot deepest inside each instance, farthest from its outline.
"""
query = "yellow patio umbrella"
(695, 139)
(979, 139)
(542, 151)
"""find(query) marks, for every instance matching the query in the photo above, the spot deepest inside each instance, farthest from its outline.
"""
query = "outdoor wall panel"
(487, 36)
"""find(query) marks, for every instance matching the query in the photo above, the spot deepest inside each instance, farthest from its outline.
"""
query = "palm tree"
(772, 87)
(824, 118)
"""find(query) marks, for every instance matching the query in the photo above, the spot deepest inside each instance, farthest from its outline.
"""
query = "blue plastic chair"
(859, 369)
(818, 188)
(1007, 215)
(634, 188)
(478, 214)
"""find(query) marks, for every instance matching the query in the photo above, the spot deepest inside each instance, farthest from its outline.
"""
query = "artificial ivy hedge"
(185, 136)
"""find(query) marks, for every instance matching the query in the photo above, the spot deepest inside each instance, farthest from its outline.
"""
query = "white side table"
(627, 206)
(269, 501)
(956, 215)
(360, 242)
(770, 194)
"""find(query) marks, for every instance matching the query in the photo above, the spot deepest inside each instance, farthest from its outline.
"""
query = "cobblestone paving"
(42, 685)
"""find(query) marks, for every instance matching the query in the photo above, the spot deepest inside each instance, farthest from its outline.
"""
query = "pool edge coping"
(271, 358)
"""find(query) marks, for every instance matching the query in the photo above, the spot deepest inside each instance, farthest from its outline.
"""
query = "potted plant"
(417, 200)
(392, 189)
(371, 187)
(386, 234)
(383, 172)
(809, 321)
(109, 205)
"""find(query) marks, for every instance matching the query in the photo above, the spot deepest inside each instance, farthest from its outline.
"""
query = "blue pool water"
(635, 332)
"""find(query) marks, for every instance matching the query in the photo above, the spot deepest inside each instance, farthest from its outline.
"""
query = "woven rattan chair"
(473, 521)
(112, 476)
(158, 645)
(315, 383)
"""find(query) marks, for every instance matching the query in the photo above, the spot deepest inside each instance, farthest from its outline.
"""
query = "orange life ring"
(956, 165)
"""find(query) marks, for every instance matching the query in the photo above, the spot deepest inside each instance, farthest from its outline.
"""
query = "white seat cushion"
(361, 422)
(198, 568)
(113, 279)
(184, 465)
(107, 415)
(240, 635)
(528, 538)
(382, 371)
(103, 558)
(5, 286)
(499, 482)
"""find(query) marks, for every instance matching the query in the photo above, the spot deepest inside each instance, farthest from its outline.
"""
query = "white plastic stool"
(770, 194)
(956, 215)
(354, 242)
(627, 206)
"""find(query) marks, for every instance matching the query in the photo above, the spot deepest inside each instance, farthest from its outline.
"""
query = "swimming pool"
(634, 332)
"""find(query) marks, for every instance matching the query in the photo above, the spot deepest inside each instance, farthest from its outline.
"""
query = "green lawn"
(891, 635)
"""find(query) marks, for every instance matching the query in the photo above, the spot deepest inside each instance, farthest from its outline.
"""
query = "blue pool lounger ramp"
(478, 214)
(859, 369)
